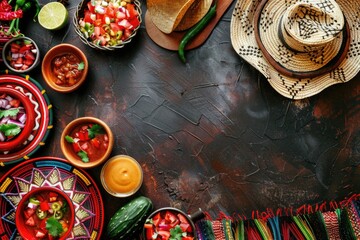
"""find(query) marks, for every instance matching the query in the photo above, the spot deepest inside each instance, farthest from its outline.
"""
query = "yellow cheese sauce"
(122, 175)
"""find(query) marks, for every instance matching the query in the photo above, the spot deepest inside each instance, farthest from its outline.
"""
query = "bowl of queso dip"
(64, 68)
(121, 176)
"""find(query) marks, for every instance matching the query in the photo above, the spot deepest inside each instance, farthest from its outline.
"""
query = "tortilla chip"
(194, 14)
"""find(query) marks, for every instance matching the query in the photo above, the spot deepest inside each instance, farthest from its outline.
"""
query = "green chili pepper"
(26, 6)
(20, 3)
(192, 32)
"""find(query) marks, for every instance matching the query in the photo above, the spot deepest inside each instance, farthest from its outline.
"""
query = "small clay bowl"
(17, 141)
(100, 146)
(21, 54)
(57, 81)
(23, 213)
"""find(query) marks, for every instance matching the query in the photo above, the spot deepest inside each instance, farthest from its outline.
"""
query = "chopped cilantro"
(54, 227)
(81, 66)
(9, 112)
(83, 155)
(10, 129)
(177, 233)
(69, 139)
(95, 129)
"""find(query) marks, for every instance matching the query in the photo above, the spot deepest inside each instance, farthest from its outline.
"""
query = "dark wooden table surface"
(211, 133)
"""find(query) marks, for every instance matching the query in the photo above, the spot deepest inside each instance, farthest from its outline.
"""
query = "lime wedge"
(53, 16)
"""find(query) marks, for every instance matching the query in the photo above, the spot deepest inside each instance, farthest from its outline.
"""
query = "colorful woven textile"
(333, 221)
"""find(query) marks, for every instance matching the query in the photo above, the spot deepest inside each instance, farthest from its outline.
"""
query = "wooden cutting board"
(171, 41)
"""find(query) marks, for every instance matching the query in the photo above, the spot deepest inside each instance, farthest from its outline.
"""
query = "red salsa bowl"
(163, 221)
(87, 142)
(64, 68)
(17, 118)
(45, 213)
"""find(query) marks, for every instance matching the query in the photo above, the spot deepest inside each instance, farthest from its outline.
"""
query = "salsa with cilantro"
(89, 142)
(68, 69)
(47, 215)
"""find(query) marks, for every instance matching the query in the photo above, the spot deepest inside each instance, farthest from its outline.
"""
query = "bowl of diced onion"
(17, 119)
(21, 54)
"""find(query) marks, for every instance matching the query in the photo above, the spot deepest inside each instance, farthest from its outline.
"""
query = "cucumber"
(129, 219)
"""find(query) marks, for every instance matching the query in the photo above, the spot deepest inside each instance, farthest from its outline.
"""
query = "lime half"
(53, 16)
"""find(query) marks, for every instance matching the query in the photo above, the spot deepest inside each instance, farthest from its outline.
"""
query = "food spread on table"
(107, 23)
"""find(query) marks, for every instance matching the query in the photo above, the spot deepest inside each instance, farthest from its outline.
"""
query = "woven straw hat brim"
(166, 15)
(194, 14)
(244, 43)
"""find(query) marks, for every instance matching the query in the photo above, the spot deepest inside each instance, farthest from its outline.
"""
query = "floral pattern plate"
(43, 121)
(56, 172)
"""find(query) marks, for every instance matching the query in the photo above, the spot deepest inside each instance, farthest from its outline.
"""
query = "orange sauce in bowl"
(121, 176)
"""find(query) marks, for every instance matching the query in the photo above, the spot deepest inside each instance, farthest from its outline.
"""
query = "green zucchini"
(129, 219)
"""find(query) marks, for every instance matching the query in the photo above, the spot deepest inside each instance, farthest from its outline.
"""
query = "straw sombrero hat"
(178, 15)
(300, 46)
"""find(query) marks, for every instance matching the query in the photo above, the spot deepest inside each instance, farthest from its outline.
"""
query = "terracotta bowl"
(26, 212)
(75, 138)
(182, 219)
(21, 54)
(57, 81)
(28, 126)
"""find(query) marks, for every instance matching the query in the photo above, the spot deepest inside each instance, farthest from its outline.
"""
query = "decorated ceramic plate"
(43, 117)
(56, 172)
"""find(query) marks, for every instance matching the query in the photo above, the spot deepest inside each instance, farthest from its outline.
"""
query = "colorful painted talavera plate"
(43, 121)
(56, 172)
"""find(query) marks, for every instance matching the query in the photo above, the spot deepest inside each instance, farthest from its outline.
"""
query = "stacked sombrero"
(300, 46)
(179, 15)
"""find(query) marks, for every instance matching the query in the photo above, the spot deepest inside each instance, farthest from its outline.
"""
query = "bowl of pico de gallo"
(87, 142)
(107, 24)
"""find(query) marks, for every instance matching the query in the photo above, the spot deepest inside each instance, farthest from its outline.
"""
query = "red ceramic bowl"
(25, 217)
(85, 144)
(19, 139)
(175, 214)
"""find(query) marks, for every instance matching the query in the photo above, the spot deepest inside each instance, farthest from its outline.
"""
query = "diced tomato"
(149, 233)
(156, 219)
(95, 142)
(187, 238)
(44, 206)
(134, 22)
(15, 103)
(19, 60)
(182, 218)
(84, 135)
(29, 55)
(43, 224)
(76, 147)
(28, 62)
(97, 31)
(90, 6)
(185, 227)
(87, 16)
(110, 12)
(30, 221)
(39, 234)
(170, 217)
(85, 146)
(14, 45)
(24, 48)
(29, 212)
(53, 196)
(132, 11)
(115, 27)
(164, 234)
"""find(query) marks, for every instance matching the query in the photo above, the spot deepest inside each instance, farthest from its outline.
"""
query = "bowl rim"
(5, 51)
(29, 124)
(51, 54)
(23, 200)
(121, 195)
(66, 147)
